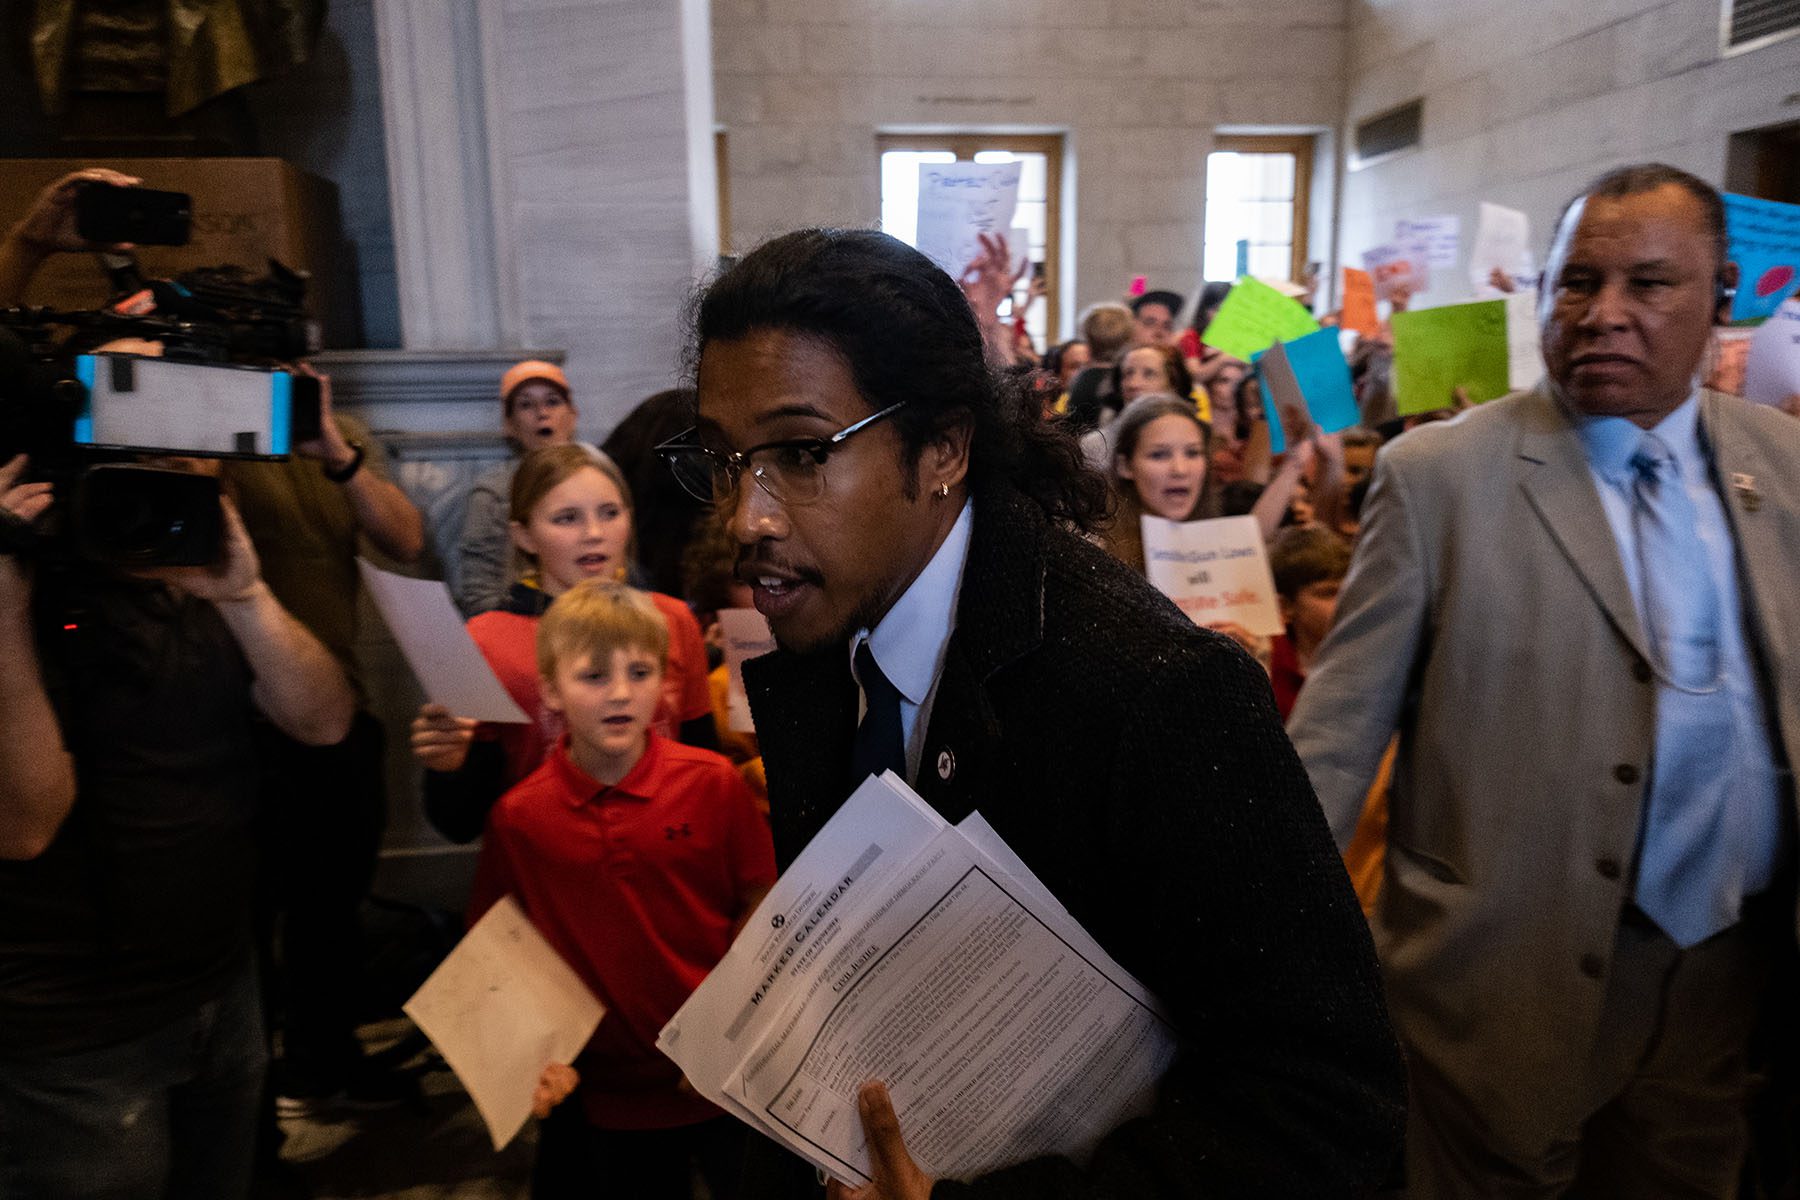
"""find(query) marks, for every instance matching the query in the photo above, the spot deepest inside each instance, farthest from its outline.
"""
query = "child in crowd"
(571, 521)
(1158, 468)
(638, 859)
(1309, 566)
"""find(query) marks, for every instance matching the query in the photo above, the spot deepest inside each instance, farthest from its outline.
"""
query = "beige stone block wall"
(1138, 87)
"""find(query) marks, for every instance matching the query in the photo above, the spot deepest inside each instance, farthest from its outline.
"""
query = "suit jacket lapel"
(1558, 483)
(1744, 475)
(805, 711)
(999, 618)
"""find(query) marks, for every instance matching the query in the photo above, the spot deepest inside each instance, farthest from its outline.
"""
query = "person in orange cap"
(538, 411)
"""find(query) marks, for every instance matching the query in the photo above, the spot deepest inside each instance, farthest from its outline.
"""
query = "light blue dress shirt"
(909, 643)
(1712, 755)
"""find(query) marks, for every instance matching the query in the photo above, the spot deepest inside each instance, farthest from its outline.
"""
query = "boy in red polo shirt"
(638, 858)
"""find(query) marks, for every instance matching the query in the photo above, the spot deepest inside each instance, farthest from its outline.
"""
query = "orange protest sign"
(1359, 303)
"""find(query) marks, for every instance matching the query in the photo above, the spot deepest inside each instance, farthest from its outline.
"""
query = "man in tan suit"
(1579, 605)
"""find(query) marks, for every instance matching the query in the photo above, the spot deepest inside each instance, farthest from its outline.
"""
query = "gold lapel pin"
(1745, 486)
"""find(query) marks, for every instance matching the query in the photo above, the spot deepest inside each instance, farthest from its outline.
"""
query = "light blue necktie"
(1683, 870)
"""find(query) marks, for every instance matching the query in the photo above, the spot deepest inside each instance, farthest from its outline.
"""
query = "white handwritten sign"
(1216, 571)
(1441, 237)
(1502, 243)
(960, 201)
(746, 636)
(1398, 265)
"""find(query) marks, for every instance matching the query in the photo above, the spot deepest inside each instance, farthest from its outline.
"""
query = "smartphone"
(142, 216)
(1037, 271)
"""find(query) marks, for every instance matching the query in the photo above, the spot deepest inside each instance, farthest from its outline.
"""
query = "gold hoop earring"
(943, 491)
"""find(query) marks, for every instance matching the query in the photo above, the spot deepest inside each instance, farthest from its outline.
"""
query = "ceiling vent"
(1747, 24)
(1387, 134)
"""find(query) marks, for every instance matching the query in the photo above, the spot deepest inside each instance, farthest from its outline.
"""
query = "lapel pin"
(1745, 486)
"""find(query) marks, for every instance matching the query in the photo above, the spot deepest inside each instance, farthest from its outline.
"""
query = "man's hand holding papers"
(896, 1175)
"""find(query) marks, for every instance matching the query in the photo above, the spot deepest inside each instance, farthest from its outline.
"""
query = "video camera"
(88, 416)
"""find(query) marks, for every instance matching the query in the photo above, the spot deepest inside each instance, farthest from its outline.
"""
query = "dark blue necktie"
(880, 745)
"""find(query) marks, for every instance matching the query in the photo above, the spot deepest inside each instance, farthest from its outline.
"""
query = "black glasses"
(791, 471)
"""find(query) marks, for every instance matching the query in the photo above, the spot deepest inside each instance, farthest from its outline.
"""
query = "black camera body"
(94, 424)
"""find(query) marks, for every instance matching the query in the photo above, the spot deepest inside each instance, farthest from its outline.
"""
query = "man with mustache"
(1577, 604)
(907, 524)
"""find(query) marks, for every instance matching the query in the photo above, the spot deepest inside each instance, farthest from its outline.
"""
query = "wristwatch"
(342, 474)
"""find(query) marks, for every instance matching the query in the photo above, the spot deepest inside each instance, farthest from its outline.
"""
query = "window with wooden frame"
(1257, 186)
(1040, 200)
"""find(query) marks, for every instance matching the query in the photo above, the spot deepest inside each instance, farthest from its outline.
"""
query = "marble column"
(552, 181)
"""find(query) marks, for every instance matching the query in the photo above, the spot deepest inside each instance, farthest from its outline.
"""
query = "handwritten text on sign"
(958, 202)
(1215, 571)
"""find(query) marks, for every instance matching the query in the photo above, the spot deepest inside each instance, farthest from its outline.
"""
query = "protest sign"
(1524, 350)
(1765, 244)
(958, 202)
(1437, 350)
(1397, 266)
(1441, 237)
(1502, 241)
(1215, 571)
(747, 635)
(1253, 317)
(1357, 312)
(1310, 372)
(1772, 371)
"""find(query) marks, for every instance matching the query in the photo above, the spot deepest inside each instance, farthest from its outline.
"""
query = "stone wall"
(1526, 101)
(1138, 86)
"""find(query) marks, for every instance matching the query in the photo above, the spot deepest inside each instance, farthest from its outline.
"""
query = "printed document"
(929, 958)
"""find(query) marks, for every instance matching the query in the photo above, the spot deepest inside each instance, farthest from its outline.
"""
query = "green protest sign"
(1254, 317)
(1437, 350)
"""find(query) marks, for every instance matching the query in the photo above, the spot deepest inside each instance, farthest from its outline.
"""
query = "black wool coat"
(1136, 763)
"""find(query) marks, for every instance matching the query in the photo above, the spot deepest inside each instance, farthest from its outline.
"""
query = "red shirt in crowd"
(637, 886)
(509, 642)
(1285, 675)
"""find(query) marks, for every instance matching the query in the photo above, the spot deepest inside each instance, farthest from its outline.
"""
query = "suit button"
(1592, 965)
(1640, 671)
(1626, 773)
(1608, 868)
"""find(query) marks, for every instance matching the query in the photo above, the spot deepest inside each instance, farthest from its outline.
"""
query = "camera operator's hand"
(330, 447)
(235, 578)
(440, 740)
(384, 515)
(50, 224)
(23, 502)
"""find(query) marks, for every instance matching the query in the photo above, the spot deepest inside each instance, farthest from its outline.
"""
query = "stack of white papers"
(899, 949)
